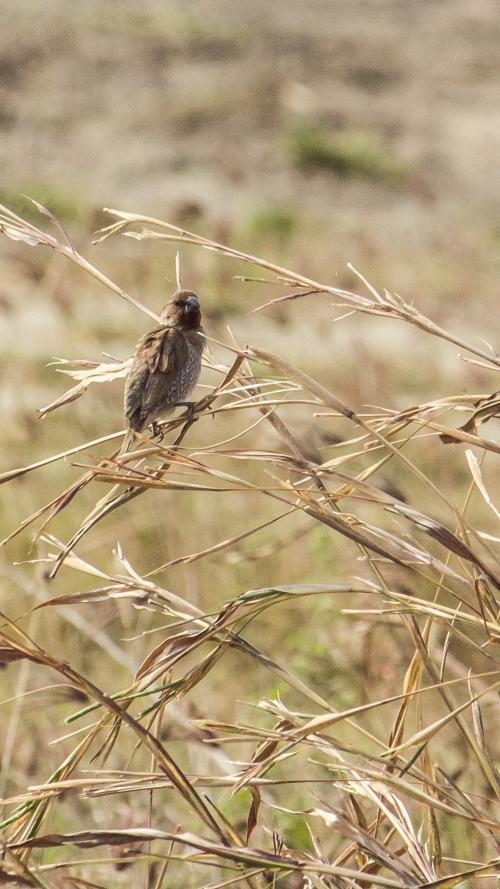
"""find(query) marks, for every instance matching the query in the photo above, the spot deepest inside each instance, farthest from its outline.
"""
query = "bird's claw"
(157, 431)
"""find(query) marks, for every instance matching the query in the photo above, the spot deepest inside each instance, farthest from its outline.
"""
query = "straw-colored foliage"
(393, 784)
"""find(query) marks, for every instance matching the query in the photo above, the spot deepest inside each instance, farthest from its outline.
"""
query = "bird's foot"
(157, 431)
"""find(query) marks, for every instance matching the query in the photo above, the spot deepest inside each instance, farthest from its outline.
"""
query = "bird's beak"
(192, 305)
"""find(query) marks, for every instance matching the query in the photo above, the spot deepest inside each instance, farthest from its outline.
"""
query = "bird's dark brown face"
(183, 310)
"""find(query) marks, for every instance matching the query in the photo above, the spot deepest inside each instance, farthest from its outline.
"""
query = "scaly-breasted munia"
(166, 364)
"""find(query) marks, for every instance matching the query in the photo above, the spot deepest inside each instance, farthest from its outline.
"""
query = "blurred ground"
(311, 134)
(170, 107)
(195, 102)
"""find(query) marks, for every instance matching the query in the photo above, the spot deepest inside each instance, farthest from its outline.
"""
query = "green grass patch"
(350, 154)
(65, 205)
(276, 222)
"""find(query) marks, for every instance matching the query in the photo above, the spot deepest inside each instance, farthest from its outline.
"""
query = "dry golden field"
(273, 662)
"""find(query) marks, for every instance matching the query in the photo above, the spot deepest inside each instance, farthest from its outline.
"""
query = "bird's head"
(183, 310)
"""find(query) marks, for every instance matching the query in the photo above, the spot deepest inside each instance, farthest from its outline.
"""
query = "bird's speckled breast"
(188, 377)
(185, 380)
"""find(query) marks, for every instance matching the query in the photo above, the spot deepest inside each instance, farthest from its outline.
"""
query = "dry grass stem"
(391, 783)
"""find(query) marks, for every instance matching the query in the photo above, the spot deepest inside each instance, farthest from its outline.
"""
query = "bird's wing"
(159, 357)
(173, 353)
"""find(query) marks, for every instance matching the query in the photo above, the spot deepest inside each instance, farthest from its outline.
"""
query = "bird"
(165, 367)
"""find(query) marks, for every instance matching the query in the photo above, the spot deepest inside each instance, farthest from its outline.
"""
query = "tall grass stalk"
(376, 791)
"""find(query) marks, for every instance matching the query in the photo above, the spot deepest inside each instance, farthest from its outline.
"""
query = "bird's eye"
(179, 303)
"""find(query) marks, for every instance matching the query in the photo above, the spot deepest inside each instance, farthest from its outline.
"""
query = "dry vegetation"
(269, 657)
(388, 782)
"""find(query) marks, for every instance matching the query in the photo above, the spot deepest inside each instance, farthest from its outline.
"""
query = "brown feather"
(166, 363)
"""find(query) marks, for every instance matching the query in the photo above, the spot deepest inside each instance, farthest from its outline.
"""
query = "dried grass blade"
(431, 730)
(91, 838)
(16, 473)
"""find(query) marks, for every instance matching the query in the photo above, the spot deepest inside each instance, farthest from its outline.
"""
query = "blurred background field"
(315, 135)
